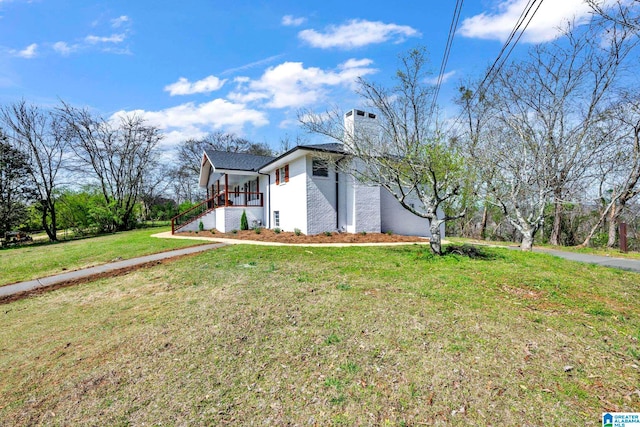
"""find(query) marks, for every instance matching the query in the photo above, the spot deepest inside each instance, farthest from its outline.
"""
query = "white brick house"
(300, 189)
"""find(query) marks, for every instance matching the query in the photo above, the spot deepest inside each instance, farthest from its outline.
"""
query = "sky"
(196, 66)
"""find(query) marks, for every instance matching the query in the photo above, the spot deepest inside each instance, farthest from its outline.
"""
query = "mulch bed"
(268, 235)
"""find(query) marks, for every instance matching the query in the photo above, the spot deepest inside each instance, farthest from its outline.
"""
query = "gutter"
(268, 197)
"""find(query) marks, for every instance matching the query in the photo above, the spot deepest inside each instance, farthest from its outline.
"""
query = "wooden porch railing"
(193, 213)
(238, 199)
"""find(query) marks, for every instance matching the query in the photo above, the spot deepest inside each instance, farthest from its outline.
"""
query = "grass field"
(328, 336)
(40, 260)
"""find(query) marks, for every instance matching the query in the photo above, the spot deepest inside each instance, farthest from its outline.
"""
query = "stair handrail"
(211, 200)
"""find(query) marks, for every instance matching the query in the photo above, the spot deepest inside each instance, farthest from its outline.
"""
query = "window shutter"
(286, 173)
(277, 176)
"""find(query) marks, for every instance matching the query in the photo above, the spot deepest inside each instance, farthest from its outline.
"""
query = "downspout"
(337, 194)
(268, 197)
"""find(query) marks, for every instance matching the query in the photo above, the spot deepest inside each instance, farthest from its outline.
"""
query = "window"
(276, 218)
(282, 175)
(320, 167)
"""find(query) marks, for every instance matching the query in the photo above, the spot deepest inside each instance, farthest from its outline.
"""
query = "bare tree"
(404, 155)
(544, 108)
(190, 151)
(471, 138)
(189, 155)
(624, 13)
(121, 155)
(40, 135)
(619, 170)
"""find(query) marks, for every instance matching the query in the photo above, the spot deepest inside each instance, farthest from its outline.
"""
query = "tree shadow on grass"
(452, 252)
(470, 251)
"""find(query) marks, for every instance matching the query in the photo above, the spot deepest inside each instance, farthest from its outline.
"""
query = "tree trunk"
(50, 230)
(483, 224)
(527, 241)
(554, 239)
(613, 223)
(436, 239)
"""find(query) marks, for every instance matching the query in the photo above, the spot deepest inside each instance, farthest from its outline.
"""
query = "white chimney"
(361, 126)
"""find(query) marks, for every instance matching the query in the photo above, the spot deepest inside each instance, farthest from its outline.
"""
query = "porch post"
(226, 189)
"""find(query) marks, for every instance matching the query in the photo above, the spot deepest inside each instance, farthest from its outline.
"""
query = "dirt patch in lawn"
(268, 235)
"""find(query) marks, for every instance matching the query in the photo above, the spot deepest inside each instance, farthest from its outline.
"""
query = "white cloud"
(120, 21)
(445, 78)
(291, 21)
(28, 52)
(113, 38)
(545, 26)
(197, 119)
(185, 87)
(357, 33)
(291, 85)
(64, 48)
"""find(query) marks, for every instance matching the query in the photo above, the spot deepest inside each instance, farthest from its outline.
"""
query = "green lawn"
(249, 335)
(29, 262)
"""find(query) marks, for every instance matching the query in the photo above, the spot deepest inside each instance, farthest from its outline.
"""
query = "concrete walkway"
(86, 273)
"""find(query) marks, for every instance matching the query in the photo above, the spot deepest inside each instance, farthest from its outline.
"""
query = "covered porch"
(228, 195)
(235, 190)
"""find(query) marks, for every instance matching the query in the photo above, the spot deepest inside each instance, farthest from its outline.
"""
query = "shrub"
(201, 226)
(297, 231)
(276, 230)
(389, 232)
(258, 230)
(244, 223)
(234, 231)
(212, 231)
(328, 233)
(364, 233)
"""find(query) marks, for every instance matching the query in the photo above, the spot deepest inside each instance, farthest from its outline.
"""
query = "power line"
(519, 23)
(445, 57)
(508, 47)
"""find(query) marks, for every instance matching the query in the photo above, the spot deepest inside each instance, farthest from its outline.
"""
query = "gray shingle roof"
(237, 161)
(326, 148)
(251, 162)
(333, 147)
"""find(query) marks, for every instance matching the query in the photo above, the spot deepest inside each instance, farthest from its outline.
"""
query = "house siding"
(397, 219)
(290, 198)
(362, 205)
(208, 222)
(232, 217)
(366, 208)
(321, 201)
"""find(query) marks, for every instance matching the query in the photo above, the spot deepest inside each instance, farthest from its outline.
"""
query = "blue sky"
(195, 66)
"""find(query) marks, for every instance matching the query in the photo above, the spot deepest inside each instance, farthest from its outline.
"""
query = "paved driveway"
(622, 263)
